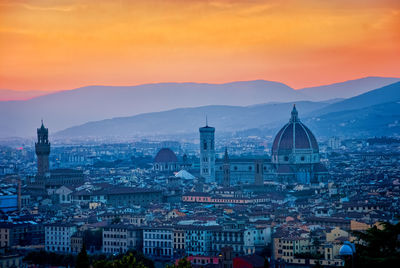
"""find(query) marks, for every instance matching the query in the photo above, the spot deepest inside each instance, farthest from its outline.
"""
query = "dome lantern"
(294, 137)
(295, 114)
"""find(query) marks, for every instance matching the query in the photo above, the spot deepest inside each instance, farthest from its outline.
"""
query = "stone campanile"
(226, 167)
(42, 147)
(207, 153)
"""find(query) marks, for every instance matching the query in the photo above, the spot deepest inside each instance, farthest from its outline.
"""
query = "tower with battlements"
(42, 148)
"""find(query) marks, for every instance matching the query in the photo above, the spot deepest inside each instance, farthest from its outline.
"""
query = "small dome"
(165, 155)
(346, 250)
(294, 135)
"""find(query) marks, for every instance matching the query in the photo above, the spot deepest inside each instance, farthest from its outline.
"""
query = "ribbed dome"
(294, 135)
(165, 155)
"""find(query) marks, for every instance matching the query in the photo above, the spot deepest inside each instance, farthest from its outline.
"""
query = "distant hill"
(74, 107)
(188, 120)
(347, 89)
(375, 113)
(69, 108)
(6, 94)
(386, 94)
(377, 120)
(369, 114)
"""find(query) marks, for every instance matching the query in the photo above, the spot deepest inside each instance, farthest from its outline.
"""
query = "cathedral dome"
(165, 155)
(295, 143)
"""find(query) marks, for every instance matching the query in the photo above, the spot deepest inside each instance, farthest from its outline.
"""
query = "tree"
(82, 261)
(93, 239)
(127, 261)
(266, 251)
(378, 247)
(116, 220)
(266, 262)
(182, 263)
(45, 258)
(317, 264)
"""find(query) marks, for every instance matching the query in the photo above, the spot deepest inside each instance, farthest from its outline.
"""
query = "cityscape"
(204, 134)
(299, 205)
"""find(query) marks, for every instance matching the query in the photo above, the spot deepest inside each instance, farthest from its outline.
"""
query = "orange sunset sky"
(64, 44)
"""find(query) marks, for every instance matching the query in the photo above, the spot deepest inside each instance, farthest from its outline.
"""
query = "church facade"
(243, 170)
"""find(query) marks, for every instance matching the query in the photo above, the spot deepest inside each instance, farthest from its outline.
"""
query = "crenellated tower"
(42, 147)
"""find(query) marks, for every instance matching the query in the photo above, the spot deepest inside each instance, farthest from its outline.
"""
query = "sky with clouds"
(53, 45)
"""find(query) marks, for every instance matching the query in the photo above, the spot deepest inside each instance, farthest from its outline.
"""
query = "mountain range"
(188, 120)
(168, 107)
(7, 94)
(373, 113)
(347, 89)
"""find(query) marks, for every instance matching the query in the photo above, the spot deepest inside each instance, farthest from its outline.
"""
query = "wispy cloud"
(49, 8)
(56, 8)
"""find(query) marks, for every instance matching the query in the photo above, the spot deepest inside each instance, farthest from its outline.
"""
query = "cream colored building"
(119, 238)
(336, 233)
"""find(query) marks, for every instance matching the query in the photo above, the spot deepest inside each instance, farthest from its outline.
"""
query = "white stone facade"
(207, 153)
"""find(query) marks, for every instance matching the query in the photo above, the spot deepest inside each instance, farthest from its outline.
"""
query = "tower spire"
(226, 169)
(206, 121)
(226, 157)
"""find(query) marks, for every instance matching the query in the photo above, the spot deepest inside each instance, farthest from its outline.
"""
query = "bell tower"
(42, 148)
(226, 167)
(207, 153)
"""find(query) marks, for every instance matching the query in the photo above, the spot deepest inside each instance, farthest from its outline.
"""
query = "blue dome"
(346, 250)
